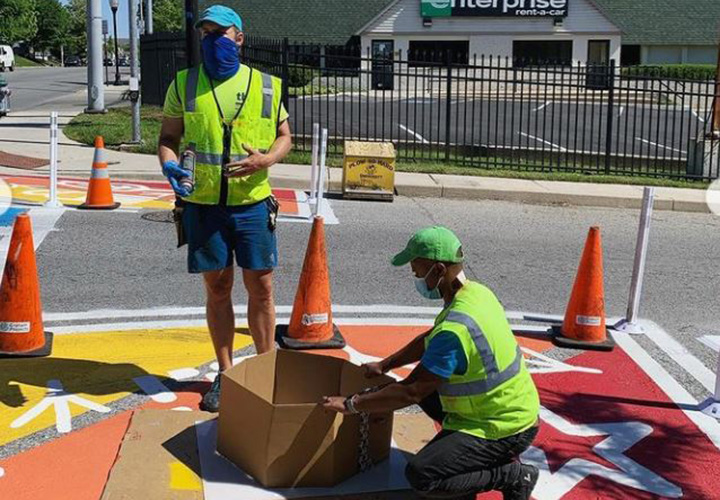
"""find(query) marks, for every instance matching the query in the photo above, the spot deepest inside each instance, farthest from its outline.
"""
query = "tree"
(77, 27)
(53, 23)
(168, 15)
(18, 21)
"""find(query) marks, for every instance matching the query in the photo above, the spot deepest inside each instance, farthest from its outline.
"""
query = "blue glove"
(174, 173)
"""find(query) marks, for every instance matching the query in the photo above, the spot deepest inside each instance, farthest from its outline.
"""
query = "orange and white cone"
(99, 194)
(311, 325)
(21, 326)
(584, 323)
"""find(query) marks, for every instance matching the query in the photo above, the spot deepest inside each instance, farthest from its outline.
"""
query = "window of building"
(422, 52)
(630, 55)
(542, 53)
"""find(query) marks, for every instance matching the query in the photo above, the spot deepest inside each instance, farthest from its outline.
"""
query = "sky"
(122, 16)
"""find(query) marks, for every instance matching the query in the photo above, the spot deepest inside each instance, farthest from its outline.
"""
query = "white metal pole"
(629, 324)
(321, 173)
(53, 199)
(712, 405)
(314, 163)
(96, 89)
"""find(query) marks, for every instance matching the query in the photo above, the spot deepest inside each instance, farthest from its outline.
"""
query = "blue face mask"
(220, 56)
(422, 288)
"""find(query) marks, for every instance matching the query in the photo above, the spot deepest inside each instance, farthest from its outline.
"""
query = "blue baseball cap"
(220, 15)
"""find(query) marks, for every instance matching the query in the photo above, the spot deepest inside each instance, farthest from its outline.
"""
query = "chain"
(364, 460)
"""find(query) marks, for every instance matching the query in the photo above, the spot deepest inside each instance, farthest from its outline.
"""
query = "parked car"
(124, 61)
(7, 58)
(73, 61)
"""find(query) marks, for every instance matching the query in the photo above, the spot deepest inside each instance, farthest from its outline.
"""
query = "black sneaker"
(211, 399)
(523, 487)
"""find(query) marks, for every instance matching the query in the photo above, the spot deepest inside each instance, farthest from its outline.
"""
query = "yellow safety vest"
(256, 125)
(495, 397)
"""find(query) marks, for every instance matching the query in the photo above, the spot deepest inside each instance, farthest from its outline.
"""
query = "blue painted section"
(7, 218)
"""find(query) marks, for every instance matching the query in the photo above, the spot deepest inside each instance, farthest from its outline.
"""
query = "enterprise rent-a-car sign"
(515, 8)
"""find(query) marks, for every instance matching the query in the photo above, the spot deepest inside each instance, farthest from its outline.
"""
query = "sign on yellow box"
(369, 170)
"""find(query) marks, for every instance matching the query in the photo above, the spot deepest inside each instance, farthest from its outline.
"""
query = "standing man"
(232, 117)
(471, 377)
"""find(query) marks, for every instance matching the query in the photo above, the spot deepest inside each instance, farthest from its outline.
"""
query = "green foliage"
(76, 41)
(168, 15)
(18, 21)
(695, 72)
(53, 21)
(301, 76)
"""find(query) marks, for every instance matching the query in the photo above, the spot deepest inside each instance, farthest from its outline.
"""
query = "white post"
(314, 163)
(53, 199)
(629, 324)
(712, 405)
(321, 173)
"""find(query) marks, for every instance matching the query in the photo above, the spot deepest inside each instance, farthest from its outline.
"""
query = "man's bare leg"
(261, 309)
(220, 314)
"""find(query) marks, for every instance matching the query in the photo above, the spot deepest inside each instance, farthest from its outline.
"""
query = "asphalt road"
(552, 125)
(527, 254)
(38, 87)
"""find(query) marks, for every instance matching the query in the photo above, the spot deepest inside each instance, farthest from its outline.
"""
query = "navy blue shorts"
(214, 233)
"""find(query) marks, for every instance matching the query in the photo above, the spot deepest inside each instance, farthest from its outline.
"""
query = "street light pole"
(716, 104)
(114, 7)
(134, 71)
(96, 89)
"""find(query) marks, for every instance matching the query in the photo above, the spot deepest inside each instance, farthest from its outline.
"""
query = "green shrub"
(300, 76)
(695, 72)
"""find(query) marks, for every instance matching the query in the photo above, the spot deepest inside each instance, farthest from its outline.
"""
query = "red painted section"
(676, 450)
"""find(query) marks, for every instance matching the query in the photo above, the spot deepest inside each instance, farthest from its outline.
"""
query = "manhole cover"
(164, 216)
(23, 162)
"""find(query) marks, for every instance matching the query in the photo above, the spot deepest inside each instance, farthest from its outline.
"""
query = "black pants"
(458, 465)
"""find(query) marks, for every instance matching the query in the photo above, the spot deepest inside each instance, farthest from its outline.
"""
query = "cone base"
(561, 341)
(335, 342)
(37, 353)
(85, 206)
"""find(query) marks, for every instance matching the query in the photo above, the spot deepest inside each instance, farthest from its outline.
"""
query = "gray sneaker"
(523, 487)
(211, 399)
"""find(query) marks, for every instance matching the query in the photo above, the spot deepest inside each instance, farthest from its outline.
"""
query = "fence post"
(285, 70)
(448, 103)
(610, 116)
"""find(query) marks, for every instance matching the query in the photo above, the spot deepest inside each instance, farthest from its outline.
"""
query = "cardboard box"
(272, 426)
(369, 170)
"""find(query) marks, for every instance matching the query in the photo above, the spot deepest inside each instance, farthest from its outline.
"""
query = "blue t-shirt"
(444, 356)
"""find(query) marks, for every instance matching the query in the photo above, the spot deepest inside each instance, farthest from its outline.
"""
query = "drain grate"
(164, 216)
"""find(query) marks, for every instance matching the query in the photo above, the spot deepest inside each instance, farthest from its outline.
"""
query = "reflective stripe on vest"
(268, 92)
(494, 377)
(191, 88)
(216, 158)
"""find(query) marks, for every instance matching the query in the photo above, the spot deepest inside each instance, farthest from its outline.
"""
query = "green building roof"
(646, 22)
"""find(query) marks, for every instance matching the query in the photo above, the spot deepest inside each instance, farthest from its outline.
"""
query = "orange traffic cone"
(99, 194)
(584, 324)
(21, 326)
(311, 325)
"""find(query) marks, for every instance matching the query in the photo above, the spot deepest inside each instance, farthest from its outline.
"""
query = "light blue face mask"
(425, 291)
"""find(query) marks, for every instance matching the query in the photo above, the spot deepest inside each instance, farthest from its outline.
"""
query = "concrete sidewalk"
(27, 134)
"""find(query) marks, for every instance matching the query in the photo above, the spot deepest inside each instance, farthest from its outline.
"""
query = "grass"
(22, 62)
(115, 127)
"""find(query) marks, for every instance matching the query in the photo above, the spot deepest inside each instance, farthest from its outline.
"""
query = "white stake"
(321, 173)
(314, 163)
(53, 199)
(629, 324)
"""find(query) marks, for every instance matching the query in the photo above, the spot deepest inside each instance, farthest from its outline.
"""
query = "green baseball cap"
(434, 243)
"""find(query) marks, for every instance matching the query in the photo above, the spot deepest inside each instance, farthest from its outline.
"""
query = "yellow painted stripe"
(183, 478)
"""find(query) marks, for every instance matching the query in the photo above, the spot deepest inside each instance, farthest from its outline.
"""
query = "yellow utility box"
(369, 170)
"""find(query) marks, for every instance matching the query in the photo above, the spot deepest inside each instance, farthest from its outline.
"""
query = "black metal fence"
(495, 112)
(162, 55)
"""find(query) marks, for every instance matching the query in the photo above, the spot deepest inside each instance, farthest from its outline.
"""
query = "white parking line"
(540, 108)
(559, 148)
(659, 145)
(413, 133)
(702, 120)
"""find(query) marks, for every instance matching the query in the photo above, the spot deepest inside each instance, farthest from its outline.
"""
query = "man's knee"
(219, 286)
(417, 476)
(259, 286)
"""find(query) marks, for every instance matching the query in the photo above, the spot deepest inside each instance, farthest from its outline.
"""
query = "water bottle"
(187, 162)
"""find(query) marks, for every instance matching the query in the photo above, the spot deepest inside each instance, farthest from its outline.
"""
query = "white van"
(7, 58)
